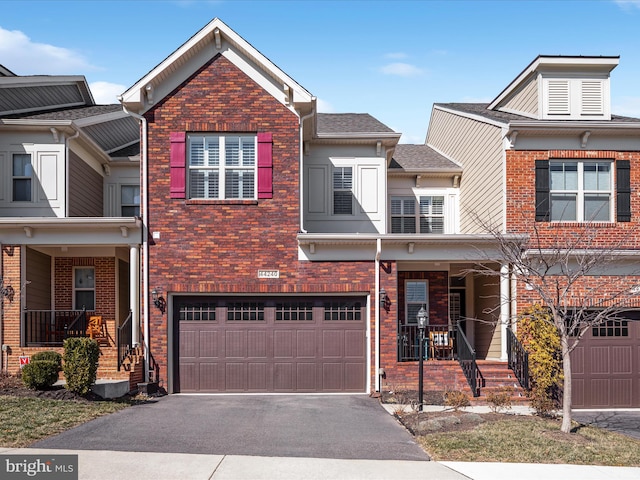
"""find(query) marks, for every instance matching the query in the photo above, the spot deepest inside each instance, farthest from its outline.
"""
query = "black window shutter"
(623, 190)
(542, 191)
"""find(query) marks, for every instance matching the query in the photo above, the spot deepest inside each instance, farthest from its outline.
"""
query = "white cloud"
(628, 4)
(627, 107)
(105, 92)
(324, 106)
(401, 69)
(23, 56)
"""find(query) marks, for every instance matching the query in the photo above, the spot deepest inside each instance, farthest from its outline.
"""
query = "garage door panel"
(577, 361)
(621, 360)
(306, 344)
(599, 392)
(577, 389)
(621, 392)
(208, 344)
(599, 360)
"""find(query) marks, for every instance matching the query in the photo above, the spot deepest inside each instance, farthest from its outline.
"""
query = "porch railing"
(467, 360)
(439, 343)
(124, 340)
(518, 359)
(49, 328)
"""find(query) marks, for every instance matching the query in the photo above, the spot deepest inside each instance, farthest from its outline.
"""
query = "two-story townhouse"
(548, 158)
(70, 231)
(290, 250)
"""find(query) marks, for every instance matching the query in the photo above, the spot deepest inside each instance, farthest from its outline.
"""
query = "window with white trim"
(84, 288)
(427, 212)
(343, 190)
(580, 191)
(416, 296)
(130, 200)
(222, 166)
(22, 171)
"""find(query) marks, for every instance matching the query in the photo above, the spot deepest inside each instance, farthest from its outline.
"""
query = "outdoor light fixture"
(385, 301)
(422, 318)
(158, 300)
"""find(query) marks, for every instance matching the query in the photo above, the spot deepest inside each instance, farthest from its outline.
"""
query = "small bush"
(80, 364)
(48, 355)
(540, 338)
(456, 399)
(40, 374)
(500, 400)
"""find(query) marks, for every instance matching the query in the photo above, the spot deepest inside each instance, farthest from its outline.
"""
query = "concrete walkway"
(109, 465)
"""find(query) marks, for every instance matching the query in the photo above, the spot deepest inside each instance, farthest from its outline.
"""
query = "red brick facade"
(521, 215)
(218, 246)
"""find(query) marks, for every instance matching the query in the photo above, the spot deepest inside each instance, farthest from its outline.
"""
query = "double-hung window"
(416, 297)
(580, 191)
(426, 211)
(22, 171)
(130, 200)
(222, 167)
(343, 190)
(84, 287)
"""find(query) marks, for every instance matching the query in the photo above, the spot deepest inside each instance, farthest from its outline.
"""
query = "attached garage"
(262, 345)
(606, 366)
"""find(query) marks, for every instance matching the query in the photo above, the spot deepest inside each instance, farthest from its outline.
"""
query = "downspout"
(377, 319)
(144, 203)
(302, 119)
(2, 352)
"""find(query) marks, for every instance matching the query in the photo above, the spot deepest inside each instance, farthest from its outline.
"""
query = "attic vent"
(592, 98)
(558, 97)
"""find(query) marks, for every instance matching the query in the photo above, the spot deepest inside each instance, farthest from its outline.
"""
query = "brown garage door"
(606, 366)
(272, 345)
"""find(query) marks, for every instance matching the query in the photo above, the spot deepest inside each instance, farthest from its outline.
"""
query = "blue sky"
(392, 59)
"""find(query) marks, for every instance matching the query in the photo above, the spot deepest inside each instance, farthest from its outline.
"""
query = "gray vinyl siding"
(38, 291)
(478, 147)
(85, 189)
(524, 100)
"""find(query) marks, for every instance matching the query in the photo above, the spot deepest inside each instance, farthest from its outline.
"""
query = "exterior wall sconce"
(158, 300)
(7, 292)
(385, 301)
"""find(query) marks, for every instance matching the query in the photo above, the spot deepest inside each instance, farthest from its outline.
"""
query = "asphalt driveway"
(626, 422)
(340, 426)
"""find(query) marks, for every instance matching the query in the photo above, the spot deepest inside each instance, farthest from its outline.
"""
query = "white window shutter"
(558, 97)
(592, 102)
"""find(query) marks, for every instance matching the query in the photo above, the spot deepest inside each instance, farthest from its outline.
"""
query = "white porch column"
(505, 295)
(134, 292)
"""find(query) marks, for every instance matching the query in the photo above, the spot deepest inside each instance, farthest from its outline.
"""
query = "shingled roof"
(411, 158)
(345, 123)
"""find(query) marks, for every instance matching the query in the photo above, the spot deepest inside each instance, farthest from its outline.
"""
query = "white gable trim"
(215, 38)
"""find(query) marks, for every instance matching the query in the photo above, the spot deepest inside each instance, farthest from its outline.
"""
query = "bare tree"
(576, 276)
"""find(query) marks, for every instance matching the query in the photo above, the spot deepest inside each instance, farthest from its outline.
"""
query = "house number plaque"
(268, 273)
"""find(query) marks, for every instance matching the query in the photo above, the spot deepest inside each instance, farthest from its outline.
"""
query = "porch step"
(110, 388)
(497, 376)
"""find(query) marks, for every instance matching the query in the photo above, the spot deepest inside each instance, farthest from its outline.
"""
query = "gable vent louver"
(592, 101)
(558, 97)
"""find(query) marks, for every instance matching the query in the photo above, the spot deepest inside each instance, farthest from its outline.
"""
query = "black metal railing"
(439, 343)
(124, 340)
(518, 359)
(49, 328)
(467, 360)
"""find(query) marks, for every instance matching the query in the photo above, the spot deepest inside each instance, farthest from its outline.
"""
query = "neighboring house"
(547, 157)
(70, 231)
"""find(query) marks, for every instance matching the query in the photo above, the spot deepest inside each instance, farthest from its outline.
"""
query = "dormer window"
(575, 99)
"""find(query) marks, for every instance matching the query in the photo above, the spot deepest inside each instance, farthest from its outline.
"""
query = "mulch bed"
(12, 385)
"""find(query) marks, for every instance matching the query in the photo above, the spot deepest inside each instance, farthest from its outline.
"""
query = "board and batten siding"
(85, 189)
(478, 147)
(488, 337)
(524, 100)
(38, 274)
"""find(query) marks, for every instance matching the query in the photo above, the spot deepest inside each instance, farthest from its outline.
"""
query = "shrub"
(80, 364)
(500, 400)
(48, 355)
(541, 340)
(456, 399)
(40, 374)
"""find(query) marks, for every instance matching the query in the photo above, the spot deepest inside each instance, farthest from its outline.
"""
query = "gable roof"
(331, 123)
(215, 38)
(421, 158)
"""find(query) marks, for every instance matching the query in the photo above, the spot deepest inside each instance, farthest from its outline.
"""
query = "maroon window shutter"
(178, 164)
(265, 165)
